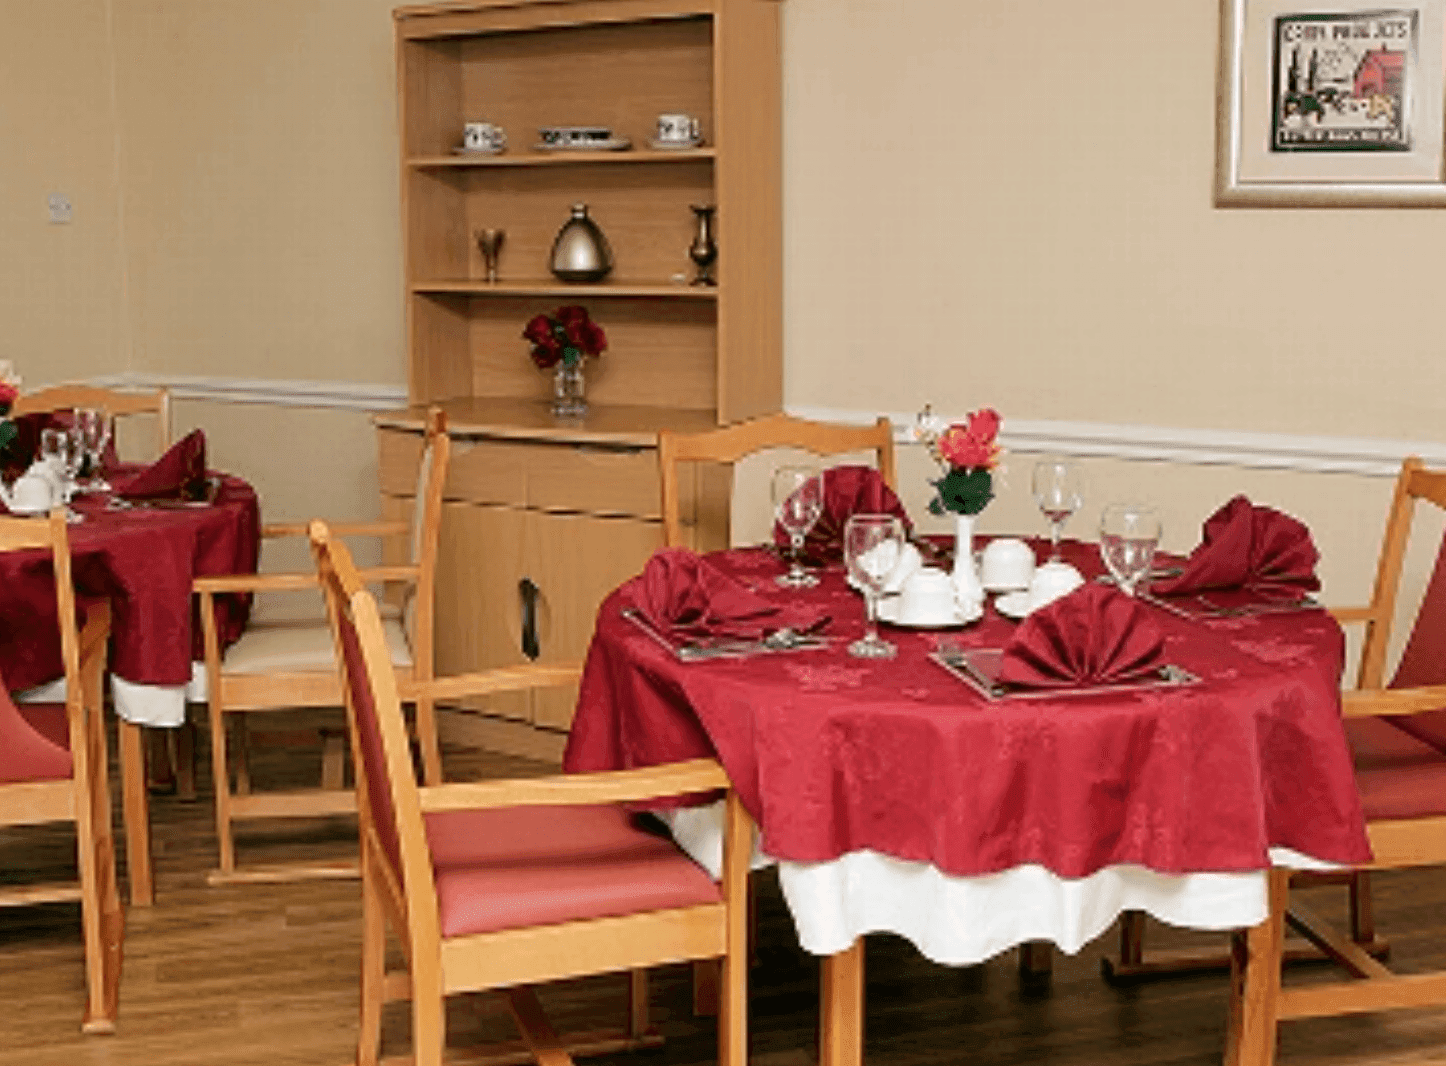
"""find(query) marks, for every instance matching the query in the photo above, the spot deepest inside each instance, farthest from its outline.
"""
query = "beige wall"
(984, 202)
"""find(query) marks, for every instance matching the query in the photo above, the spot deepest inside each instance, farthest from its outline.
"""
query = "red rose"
(539, 330)
(570, 314)
(546, 353)
(983, 425)
(958, 448)
(596, 341)
(9, 392)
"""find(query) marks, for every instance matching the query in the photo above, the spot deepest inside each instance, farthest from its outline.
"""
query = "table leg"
(136, 805)
(841, 1008)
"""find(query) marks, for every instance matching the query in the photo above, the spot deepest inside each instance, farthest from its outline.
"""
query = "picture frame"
(1331, 103)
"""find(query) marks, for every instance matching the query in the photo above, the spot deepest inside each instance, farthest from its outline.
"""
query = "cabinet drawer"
(593, 480)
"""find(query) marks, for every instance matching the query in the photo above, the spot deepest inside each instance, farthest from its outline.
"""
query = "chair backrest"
(50, 534)
(731, 443)
(426, 531)
(65, 397)
(1424, 660)
(388, 803)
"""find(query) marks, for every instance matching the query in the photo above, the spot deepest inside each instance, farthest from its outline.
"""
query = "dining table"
(142, 557)
(895, 797)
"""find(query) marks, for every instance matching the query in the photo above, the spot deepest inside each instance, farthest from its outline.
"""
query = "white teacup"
(483, 137)
(927, 598)
(908, 564)
(1050, 582)
(678, 129)
(1007, 565)
(32, 494)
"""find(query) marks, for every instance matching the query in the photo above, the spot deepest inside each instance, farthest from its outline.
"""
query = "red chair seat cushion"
(34, 741)
(1398, 775)
(514, 867)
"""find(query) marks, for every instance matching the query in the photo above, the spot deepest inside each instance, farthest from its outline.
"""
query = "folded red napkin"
(847, 490)
(680, 593)
(1248, 547)
(1094, 636)
(179, 474)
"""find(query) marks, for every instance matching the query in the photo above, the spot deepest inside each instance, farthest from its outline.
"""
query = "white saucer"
(674, 146)
(996, 587)
(1012, 604)
(460, 150)
(889, 612)
(612, 144)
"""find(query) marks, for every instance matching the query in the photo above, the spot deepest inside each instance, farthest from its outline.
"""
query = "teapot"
(34, 492)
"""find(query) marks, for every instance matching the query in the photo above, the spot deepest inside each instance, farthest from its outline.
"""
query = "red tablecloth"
(143, 561)
(833, 754)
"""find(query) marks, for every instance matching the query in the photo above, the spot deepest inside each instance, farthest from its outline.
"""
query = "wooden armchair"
(1398, 736)
(291, 664)
(507, 884)
(732, 443)
(155, 402)
(53, 768)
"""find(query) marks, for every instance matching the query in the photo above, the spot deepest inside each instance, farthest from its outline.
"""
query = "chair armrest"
(503, 679)
(340, 529)
(1351, 614)
(1370, 703)
(255, 583)
(617, 786)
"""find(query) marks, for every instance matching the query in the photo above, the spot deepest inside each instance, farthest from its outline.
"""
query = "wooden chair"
(291, 664)
(507, 884)
(731, 443)
(1398, 735)
(155, 402)
(53, 768)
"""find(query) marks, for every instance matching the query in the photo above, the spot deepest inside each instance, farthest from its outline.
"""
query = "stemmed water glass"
(1059, 491)
(797, 503)
(93, 428)
(872, 545)
(1129, 535)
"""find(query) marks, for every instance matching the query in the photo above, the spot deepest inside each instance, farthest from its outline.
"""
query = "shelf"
(618, 425)
(570, 159)
(552, 287)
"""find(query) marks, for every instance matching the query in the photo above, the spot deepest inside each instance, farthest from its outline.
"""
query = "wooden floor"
(251, 975)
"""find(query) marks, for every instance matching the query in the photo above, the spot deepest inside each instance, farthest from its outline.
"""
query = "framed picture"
(1329, 103)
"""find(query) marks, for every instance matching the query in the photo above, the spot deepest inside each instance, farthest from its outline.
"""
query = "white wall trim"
(1268, 451)
(350, 395)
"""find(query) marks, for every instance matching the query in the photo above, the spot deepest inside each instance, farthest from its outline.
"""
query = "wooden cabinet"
(572, 506)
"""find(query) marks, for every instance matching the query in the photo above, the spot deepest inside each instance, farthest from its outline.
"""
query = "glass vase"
(569, 391)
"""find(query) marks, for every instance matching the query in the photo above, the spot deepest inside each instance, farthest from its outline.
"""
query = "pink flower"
(971, 444)
(8, 394)
(984, 425)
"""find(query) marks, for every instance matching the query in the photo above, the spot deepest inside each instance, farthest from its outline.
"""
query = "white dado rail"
(1269, 451)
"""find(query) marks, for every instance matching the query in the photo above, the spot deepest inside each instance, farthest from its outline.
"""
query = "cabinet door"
(576, 560)
(479, 626)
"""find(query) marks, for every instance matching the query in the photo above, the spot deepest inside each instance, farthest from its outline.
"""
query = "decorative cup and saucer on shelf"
(482, 138)
(676, 132)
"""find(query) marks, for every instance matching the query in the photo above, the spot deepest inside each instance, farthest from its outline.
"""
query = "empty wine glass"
(797, 502)
(1059, 491)
(1129, 535)
(872, 545)
(94, 428)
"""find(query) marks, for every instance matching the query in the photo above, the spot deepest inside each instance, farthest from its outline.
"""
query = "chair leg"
(185, 744)
(1256, 955)
(427, 738)
(221, 779)
(333, 760)
(101, 920)
(638, 1019)
(136, 805)
(373, 974)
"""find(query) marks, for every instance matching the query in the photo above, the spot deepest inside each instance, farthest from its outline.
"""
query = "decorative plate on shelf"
(612, 144)
(675, 146)
(463, 150)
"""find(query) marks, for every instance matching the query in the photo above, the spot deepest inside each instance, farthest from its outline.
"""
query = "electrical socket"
(61, 209)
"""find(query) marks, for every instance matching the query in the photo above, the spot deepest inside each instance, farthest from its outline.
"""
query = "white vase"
(968, 591)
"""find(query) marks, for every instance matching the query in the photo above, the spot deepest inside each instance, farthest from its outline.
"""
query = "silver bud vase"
(581, 253)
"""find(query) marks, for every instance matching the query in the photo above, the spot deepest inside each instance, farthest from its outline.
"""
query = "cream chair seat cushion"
(292, 646)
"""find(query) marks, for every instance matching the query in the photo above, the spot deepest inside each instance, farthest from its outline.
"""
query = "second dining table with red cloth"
(143, 559)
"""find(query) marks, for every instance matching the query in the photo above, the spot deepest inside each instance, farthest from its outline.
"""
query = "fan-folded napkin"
(847, 491)
(681, 594)
(1245, 546)
(1096, 635)
(180, 473)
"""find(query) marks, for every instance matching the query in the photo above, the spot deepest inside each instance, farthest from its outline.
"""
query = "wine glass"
(797, 502)
(872, 545)
(1059, 491)
(1129, 535)
(94, 428)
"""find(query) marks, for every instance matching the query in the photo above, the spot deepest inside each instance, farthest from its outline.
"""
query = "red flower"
(971, 444)
(567, 334)
(984, 425)
(8, 393)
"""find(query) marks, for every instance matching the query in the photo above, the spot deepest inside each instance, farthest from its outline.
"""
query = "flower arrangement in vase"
(9, 392)
(560, 342)
(968, 452)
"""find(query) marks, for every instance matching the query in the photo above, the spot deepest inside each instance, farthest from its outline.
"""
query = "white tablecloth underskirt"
(162, 706)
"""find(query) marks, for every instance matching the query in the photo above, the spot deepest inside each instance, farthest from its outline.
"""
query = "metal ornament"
(704, 250)
(581, 253)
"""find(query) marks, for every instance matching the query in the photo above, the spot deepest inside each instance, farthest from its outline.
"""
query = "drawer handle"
(527, 589)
